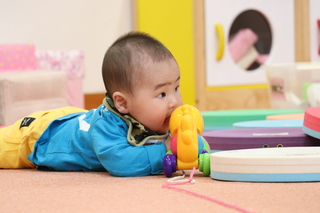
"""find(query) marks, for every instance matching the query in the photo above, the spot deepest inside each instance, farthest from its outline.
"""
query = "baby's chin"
(162, 131)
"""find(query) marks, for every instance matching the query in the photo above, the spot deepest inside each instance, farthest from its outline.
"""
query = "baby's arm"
(120, 158)
(127, 160)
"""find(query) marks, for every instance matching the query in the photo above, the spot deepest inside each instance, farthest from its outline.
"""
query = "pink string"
(169, 185)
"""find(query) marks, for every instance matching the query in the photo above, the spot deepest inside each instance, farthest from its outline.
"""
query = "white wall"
(88, 25)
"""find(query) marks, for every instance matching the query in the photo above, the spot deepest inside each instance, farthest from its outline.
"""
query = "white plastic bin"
(294, 86)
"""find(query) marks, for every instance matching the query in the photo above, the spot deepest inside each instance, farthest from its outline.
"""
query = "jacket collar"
(137, 134)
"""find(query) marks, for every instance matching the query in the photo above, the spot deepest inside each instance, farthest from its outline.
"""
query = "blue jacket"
(95, 141)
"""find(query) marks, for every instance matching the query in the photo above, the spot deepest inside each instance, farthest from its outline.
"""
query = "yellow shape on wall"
(171, 22)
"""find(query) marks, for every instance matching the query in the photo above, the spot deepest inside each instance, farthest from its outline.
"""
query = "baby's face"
(156, 98)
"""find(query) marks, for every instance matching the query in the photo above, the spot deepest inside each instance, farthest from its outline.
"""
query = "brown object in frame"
(92, 101)
(302, 30)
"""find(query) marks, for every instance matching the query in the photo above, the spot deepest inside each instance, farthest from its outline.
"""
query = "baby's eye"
(177, 88)
(161, 95)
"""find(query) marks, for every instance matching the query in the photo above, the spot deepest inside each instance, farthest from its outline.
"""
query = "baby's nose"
(173, 102)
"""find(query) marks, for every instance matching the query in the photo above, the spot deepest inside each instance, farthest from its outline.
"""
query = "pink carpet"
(38, 191)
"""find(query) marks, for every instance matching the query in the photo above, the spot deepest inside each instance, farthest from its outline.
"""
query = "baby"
(127, 135)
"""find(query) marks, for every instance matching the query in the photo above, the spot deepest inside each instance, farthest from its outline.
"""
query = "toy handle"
(220, 33)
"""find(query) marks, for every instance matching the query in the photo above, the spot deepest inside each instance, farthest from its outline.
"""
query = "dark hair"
(126, 57)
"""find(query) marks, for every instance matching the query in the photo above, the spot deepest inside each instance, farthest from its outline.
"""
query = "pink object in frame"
(262, 58)
(15, 57)
(241, 42)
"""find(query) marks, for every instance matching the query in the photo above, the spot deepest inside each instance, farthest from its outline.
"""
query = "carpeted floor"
(30, 190)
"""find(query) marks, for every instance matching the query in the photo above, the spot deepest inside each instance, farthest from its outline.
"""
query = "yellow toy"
(188, 147)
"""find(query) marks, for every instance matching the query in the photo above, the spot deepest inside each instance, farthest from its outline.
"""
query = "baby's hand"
(168, 143)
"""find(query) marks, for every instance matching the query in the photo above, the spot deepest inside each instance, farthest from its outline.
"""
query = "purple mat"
(257, 138)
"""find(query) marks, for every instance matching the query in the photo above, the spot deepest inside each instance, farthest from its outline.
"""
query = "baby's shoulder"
(105, 116)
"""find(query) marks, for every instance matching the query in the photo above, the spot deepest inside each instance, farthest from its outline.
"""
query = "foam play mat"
(287, 164)
(268, 124)
(285, 116)
(224, 119)
(222, 140)
(311, 123)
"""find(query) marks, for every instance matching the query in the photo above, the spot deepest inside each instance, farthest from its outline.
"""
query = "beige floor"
(37, 191)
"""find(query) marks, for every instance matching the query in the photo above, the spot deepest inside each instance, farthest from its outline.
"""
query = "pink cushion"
(25, 92)
(70, 62)
(75, 95)
(17, 57)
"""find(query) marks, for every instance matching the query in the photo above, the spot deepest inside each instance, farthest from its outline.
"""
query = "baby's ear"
(120, 102)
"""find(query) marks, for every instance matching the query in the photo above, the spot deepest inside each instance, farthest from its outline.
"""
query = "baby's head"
(142, 77)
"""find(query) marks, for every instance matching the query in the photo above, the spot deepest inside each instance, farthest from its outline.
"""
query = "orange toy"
(188, 147)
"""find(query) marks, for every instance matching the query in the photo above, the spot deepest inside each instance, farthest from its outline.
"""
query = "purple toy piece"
(257, 138)
(169, 165)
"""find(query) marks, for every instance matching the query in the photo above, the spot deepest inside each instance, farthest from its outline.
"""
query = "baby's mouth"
(167, 121)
